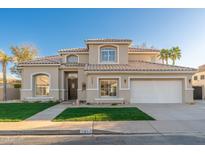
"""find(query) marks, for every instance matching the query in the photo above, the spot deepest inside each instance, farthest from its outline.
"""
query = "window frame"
(35, 86)
(108, 50)
(202, 77)
(69, 56)
(108, 88)
(195, 78)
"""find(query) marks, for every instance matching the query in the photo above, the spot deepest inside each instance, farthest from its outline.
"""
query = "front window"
(72, 59)
(108, 55)
(108, 87)
(41, 83)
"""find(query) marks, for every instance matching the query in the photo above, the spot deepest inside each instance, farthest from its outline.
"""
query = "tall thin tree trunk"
(173, 62)
(4, 82)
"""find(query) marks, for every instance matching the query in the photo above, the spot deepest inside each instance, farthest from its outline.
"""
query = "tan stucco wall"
(27, 81)
(12, 94)
(64, 84)
(94, 50)
(152, 57)
(199, 82)
(82, 57)
(93, 91)
(124, 89)
(82, 79)
(58, 83)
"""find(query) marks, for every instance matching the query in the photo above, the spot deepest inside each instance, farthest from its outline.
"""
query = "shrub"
(17, 85)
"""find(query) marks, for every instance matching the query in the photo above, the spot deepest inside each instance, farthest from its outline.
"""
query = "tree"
(175, 53)
(22, 53)
(164, 55)
(4, 59)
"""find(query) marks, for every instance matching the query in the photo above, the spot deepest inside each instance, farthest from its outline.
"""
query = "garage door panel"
(156, 91)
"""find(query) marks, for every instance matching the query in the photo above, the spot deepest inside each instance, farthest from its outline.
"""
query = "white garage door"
(156, 91)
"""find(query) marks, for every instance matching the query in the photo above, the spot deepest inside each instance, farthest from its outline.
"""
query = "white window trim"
(34, 86)
(201, 77)
(117, 54)
(159, 77)
(31, 83)
(107, 97)
(108, 55)
(108, 77)
(69, 56)
(140, 77)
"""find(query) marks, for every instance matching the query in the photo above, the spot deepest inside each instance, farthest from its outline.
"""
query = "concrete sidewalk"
(117, 127)
(42, 127)
(49, 113)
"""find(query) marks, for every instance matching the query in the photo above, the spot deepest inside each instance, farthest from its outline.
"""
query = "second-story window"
(195, 78)
(108, 55)
(72, 59)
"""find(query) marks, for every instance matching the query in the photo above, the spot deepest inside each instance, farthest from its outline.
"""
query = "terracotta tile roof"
(79, 50)
(44, 60)
(108, 40)
(74, 50)
(132, 66)
(74, 64)
(136, 66)
(142, 50)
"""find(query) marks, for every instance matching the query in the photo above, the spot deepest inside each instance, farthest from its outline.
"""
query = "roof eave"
(22, 65)
(70, 52)
(143, 52)
(128, 43)
(138, 72)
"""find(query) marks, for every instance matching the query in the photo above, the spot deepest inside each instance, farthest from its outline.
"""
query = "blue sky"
(53, 29)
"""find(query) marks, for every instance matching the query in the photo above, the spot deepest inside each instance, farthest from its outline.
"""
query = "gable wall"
(152, 57)
(27, 81)
(83, 58)
(94, 50)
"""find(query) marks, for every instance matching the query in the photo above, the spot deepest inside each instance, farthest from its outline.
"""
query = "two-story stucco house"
(106, 71)
(198, 82)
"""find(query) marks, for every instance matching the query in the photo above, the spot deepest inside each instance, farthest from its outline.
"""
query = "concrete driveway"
(174, 111)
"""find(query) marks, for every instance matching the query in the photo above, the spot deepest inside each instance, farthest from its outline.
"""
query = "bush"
(17, 85)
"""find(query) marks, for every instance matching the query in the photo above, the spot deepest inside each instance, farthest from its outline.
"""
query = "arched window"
(72, 59)
(108, 55)
(41, 85)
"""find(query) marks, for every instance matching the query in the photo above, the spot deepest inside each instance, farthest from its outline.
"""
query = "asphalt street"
(135, 139)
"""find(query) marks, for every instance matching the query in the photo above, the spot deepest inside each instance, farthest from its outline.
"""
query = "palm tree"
(164, 55)
(22, 53)
(175, 53)
(4, 59)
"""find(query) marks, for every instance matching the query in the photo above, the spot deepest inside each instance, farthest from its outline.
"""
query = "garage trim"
(158, 77)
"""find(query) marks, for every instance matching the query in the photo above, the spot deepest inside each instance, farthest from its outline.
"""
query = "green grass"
(102, 114)
(12, 112)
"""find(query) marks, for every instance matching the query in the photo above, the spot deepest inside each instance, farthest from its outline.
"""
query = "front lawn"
(102, 114)
(10, 112)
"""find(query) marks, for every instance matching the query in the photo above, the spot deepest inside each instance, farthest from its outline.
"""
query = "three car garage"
(156, 91)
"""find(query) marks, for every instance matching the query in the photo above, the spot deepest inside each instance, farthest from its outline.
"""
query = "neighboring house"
(198, 82)
(106, 71)
(13, 93)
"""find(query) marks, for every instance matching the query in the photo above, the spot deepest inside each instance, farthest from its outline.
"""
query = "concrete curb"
(54, 132)
(77, 132)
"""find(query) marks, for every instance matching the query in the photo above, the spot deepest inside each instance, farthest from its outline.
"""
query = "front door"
(197, 92)
(72, 88)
